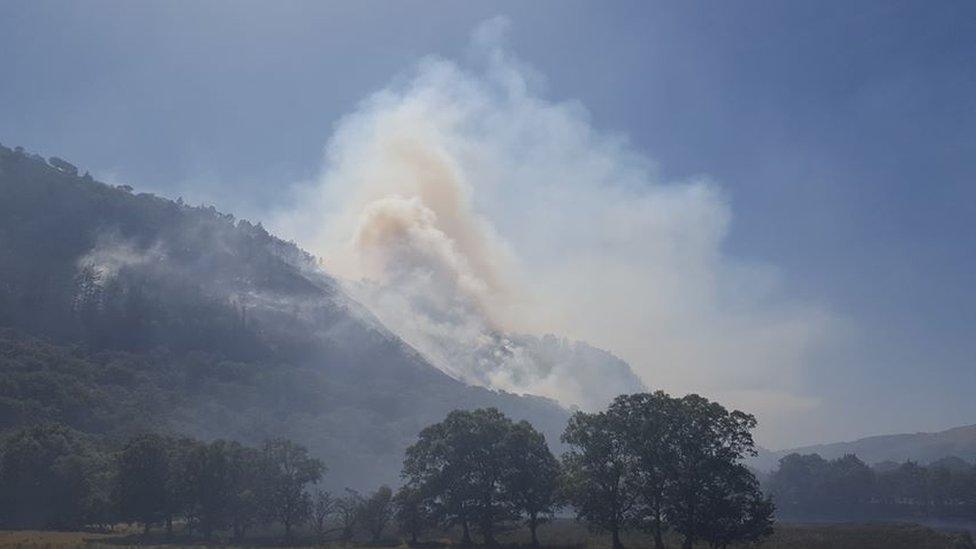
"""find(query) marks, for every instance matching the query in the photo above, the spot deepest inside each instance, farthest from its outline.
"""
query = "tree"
(411, 512)
(141, 487)
(243, 507)
(349, 509)
(797, 484)
(735, 509)
(848, 486)
(601, 476)
(213, 479)
(532, 476)
(46, 479)
(377, 511)
(709, 442)
(184, 458)
(287, 469)
(322, 507)
(648, 421)
(808, 486)
(459, 465)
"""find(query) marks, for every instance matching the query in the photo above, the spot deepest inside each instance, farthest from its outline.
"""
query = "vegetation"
(468, 467)
(810, 487)
(158, 363)
(648, 462)
(655, 462)
(51, 478)
(124, 313)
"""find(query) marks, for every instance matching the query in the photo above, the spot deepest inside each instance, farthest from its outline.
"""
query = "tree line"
(649, 462)
(807, 486)
(52, 477)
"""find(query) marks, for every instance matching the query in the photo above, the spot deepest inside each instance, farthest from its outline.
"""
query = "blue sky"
(843, 135)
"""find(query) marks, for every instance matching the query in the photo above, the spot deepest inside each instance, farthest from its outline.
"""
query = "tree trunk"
(488, 532)
(169, 526)
(533, 526)
(413, 537)
(466, 533)
(658, 537)
(617, 544)
(688, 544)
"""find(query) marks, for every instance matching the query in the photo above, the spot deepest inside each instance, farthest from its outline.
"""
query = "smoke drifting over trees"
(122, 311)
(468, 207)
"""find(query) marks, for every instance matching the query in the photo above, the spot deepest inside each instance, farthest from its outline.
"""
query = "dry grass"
(568, 534)
(38, 540)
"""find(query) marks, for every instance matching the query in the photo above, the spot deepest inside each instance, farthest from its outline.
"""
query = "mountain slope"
(127, 311)
(921, 447)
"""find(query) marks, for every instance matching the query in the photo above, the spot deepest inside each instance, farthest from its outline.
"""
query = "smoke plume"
(467, 208)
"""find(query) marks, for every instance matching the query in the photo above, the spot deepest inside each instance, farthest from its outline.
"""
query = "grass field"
(567, 534)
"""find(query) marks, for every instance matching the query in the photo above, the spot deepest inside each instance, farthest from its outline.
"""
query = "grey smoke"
(465, 207)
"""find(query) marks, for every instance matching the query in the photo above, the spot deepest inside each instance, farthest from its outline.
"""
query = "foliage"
(349, 509)
(652, 461)
(810, 487)
(286, 470)
(533, 476)
(460, 465)
(601, 473)
(377, 512)
(412, 512)
(50, 478)
(142, 484)
(322, 508)
(123, 312)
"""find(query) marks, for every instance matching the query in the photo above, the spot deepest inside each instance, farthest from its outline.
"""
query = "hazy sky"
(840, 136)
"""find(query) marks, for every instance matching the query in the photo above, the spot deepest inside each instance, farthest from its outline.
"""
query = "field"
(567, 534)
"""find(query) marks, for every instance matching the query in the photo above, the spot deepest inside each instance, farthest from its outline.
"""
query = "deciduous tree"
(601, 473)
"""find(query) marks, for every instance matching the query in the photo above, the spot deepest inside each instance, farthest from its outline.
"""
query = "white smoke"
(112, 253)
(475, 207)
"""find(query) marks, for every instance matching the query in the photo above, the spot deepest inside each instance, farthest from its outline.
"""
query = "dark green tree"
(411, 512)
(287, 470)
(213, 480)
(182, 482)
(141, 490)
(243, 507)
(601, 473)
(459, 464)
(532, 479)
(47, 474)
(377, 512)
(648, 422)
(735, 509)
(709, 442)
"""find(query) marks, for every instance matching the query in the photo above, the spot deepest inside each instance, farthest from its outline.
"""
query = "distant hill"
(925, 448)
(123, 311)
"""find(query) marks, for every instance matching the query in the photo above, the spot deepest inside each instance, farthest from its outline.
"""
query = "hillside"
(921, 447)
(122, 312)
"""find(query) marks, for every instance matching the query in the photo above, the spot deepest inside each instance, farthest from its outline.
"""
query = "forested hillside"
(124, 312)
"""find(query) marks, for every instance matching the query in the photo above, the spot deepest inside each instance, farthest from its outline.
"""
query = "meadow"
(561, 534)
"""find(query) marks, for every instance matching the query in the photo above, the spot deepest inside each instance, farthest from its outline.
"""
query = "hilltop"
(123, 312)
